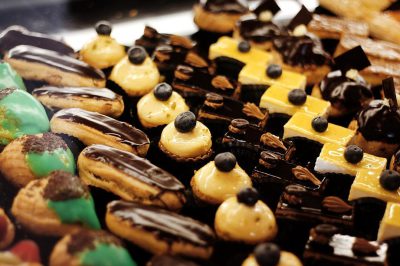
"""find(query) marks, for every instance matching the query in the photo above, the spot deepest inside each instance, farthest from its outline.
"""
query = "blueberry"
(103, 27)
(225, 161)
(244, 46)
(248, 196)
(319, 124)
(390, 180)
(185, 122)
(353, 154)
(162, 91)
(267, 254)
(297, 96)
(137, 55)
(274, 71)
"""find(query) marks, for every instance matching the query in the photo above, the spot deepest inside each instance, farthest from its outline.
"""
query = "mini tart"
(390, 227)
(55, 206)
(347, 95)
(23, 253)
(238, 222)
(102, 52)
(35, 156)
(101, 100)
(9, 78)
(135, 80)
(186, 147)
(90, 248)
(94, 128)
(129, 176)
(159, 231)
(20, 114)
(213, 186)
(219, 16)
(153, 112)
(7, 230)
(286, 259)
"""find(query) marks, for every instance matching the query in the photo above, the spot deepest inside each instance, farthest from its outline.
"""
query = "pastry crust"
(60, 255)
(377, 148)
(185, 159)
(10, 231)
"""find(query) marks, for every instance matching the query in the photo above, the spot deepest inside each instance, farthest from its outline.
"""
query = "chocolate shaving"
(86, 240)
(195, 60)
(390, 92)
(336, 205)
(181, 41)
(62, 186)
(221, 82)
(363, 247)
(303, 17)
(252, 110)
(272, 141)
(304, 174)
(354, 58)
(267, 5)
(47, 142)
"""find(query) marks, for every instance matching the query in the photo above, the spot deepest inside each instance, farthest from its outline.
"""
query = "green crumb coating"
(42, 164)
(106, 255)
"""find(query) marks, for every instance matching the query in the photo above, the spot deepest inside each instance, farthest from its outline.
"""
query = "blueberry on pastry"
(55, 206)
(35, 156)
(269, 254)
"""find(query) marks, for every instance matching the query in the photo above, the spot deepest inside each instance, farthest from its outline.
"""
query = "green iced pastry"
(20, 114)
(9, 78)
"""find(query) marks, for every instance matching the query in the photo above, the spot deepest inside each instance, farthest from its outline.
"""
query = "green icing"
(42, 164)
(21, 114)
(106, 255)
(79, 210)
(9, 78)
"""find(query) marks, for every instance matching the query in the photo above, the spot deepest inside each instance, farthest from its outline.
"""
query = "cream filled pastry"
(245, 218)
(219, 179)
(136, 73)
(103, 51)
(186, 139)
(160, 107)
(269, 254)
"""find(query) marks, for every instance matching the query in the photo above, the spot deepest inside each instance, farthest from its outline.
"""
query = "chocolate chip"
(274, 71)
(244, 46)
(326, 230)
(248, 196)
(353, 154)
(267, 254)
(297, 96)
(137, 55)
(103, 27)
(319, 124)
(390, 180)
(225, 161)
(185, 122)
(162, 91)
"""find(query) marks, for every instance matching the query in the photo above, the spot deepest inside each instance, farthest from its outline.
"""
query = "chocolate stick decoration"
(267, 5)
(303, 17)
(354, 58)
(390, 93)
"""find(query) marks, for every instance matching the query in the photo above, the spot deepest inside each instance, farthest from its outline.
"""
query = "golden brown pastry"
(269, 254)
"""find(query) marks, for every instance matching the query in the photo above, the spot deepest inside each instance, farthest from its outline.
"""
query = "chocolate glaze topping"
(226, 6)
(47, 142)
(62, 185)
(301, 51)
(135, 166)
(124, 132)
(5, 92)
(167, 260)
(166, 225)
(345, 92)
(86, 240)
(55, 60)
(17, 35)
(379, 122)
(84, 92)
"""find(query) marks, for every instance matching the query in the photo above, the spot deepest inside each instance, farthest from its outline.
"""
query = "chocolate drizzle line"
(302, 17)
(390, 93)
(134, 166)
(5, 92)
(85, 92)
(39, 144)
(165, 225)
(124, 132)
(86, 240)
(62, 186)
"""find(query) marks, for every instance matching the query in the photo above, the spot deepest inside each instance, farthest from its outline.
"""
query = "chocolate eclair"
(160, 231)
(18, 35)
(129, 176)
(94, 128)
(39, 64)
(55, 206)
(100, 100)
(35, 156)
(219, 16)
(90, 248)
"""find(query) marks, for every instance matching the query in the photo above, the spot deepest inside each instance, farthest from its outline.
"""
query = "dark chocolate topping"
(390, 92)
(166, 225)
(5, 92)
(62, 185)
(345, 92)
(352, 59)
(301, 50)
(267, 5)
(86, 240)
(135, 166)
(225, 6)
(124, 132)
(84, 92)
(17, 35)
(39, 144)
(167, 260)
(363, 247)
(55, 60)
(302, 17)
(379, 122)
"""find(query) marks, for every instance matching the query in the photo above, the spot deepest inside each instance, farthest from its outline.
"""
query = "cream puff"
(245, 219)
(269, 254)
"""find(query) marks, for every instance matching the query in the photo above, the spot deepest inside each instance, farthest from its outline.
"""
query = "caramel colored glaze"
(225, 6)
(168, 226)
(251, 28)
(84, 92)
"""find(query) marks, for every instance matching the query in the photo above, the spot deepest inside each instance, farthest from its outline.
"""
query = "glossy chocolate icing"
(301, 51)
(17, 35)
(124, 132)
(84, 92)
(378, 122)
(345, 92)
(135, 166)
(54, 60)
(166, 225)
(225, 6)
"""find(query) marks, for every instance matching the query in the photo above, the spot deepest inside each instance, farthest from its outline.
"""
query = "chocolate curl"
(267, 5)
(352, 59)
(303, 17)
(390, 92)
